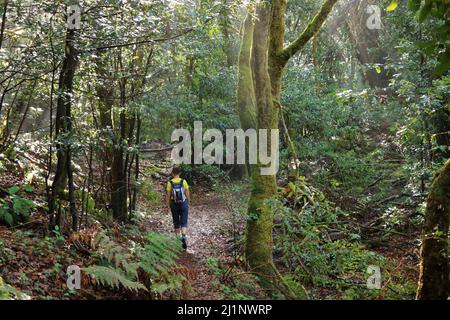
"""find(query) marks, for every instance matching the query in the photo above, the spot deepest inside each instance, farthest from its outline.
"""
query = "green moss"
(434, 268)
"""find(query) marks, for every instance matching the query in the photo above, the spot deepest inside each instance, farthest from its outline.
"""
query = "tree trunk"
(245, 91)
(118, 174)
(366, 43)
(434, 268)
(137, 167)
(261, 62)
(3, 25)
(246, 104)
(259, 242)
(119, 185)
(63, 129)
(105, 93)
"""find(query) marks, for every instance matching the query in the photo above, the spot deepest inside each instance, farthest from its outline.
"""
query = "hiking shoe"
(184, 242)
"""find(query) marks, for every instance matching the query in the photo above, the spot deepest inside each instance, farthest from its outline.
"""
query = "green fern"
(160, 254)
(114, 254)
(157, 259)
(113, 277)
(122, 270)
(8, 292)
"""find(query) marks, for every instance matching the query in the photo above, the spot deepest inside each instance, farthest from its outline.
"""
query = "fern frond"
(158, 259)
(131, 269)
(108, 276)
(8, 292)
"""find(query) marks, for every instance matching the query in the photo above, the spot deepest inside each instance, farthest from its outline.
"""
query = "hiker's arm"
(188, 195)
(168, 194)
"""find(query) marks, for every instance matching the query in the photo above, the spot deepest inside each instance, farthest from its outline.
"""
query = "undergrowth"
(150, 267)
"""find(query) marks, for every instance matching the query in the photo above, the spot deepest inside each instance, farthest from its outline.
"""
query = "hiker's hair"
(176, 171)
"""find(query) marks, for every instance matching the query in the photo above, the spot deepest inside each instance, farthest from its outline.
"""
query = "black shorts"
(179, 214)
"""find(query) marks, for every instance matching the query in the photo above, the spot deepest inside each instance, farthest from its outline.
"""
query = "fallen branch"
(157, 150)
(394, 197)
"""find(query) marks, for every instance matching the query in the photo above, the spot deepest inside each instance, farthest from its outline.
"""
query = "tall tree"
(63, 129)
(269, 58)
(258, 248)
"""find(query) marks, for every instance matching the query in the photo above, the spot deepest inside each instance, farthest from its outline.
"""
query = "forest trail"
(208, 236)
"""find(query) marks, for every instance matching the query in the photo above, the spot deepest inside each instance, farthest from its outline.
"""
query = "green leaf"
(442, 67)
(414, 5)
(424, 44)
(13, 190)
(378, 70)
(28, 188)
(22, 206)
(443, 63)
(8, 218)
(8, 292)
(5, 215)
(392, 6)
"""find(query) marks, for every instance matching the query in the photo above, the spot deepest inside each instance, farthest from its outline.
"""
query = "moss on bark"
(434, 269)
(245, 91)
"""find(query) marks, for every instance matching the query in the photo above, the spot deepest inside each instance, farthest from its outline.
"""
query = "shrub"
(314, 240)
(207, 175)
(14, 208)
(149, 192)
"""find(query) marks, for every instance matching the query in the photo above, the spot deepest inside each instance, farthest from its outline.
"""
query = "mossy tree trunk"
(246, 100)
(258, 247)
(245, 91)
(260, 74)
(434, 268)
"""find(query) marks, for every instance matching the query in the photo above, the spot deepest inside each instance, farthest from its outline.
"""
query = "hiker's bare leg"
(183, 230)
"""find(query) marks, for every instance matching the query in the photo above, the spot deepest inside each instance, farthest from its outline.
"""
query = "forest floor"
(213, 257)
(208, 236)
(36, 263)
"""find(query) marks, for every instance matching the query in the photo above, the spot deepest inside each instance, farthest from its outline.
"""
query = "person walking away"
(178, 198)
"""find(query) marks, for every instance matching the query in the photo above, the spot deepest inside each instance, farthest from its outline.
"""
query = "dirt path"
(208, 236)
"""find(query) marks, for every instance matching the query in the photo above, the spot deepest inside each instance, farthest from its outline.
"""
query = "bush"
(149, 192)
(314, 240)
(207, 175)
(15, 209)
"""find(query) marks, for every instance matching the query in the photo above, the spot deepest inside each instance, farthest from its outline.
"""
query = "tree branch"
(309, 32)
(140, 42)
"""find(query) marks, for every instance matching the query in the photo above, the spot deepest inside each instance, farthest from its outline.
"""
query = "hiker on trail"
(178, 198)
